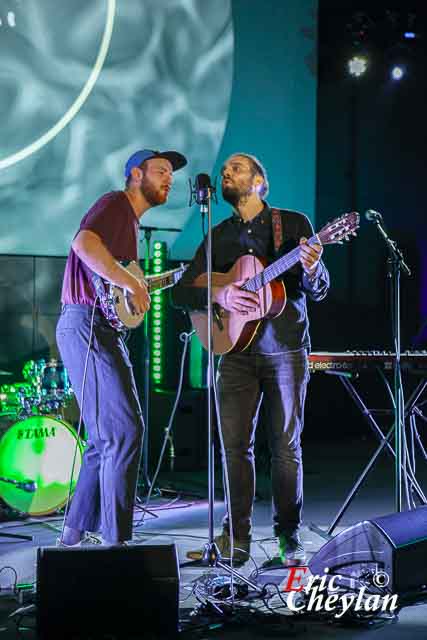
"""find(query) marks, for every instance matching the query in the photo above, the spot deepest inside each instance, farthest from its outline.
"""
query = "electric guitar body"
(234, 332)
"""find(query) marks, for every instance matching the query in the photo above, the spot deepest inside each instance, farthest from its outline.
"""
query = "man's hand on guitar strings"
(140, 297)
(233, 298)
(310, 255)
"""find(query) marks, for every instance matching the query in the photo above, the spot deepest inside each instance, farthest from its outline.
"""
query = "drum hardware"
(45, 389)
(25, 487)
(16, 397)
(34, 444)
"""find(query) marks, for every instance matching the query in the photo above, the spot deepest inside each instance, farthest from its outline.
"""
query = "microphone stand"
(211, 554)
(396, 264)
(147, 230)
(13, 536)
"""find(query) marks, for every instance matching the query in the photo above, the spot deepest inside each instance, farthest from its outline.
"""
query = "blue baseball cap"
(176, 159)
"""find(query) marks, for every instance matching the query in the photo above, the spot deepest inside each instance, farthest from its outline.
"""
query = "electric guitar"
(116, 304)
(232, 331)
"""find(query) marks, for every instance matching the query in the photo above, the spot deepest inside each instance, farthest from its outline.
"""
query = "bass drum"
(39, 449)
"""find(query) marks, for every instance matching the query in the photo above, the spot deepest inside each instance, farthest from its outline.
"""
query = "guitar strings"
(290, 259)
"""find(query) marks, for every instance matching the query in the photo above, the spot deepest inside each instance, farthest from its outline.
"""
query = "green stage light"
(157, 326)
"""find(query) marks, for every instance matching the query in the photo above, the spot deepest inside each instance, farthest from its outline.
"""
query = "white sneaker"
(87, 540)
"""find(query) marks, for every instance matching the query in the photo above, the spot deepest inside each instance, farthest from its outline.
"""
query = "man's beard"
(235, 196)
(153, 195)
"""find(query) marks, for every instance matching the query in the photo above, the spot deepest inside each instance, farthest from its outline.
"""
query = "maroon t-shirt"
(114, 221)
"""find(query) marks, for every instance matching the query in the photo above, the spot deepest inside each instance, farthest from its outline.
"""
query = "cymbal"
(5, 373)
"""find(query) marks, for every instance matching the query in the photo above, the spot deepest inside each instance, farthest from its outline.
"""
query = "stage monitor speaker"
(395, 544)
(114, 592)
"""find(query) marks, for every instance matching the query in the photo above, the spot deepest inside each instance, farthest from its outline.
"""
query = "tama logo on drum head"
(42, 432)
(48, 451)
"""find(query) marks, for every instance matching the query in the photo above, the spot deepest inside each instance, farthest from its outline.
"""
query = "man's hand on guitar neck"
(310, 256)
(233, 298)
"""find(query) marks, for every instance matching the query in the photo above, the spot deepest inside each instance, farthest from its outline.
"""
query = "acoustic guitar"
(232, 331)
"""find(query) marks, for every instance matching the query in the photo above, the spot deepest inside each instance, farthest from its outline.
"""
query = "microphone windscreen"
(203, 184)
(203, 181)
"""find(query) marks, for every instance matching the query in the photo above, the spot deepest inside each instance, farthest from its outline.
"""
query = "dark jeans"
(105, 492)
(280, 382)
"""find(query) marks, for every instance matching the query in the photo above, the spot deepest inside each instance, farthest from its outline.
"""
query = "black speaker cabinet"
(114, 592)
(189, 431)
(395, 544)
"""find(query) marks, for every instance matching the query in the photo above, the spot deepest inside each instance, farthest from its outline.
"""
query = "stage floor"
(182, 518)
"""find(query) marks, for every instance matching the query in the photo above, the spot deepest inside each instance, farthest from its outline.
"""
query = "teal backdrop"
(272, 111)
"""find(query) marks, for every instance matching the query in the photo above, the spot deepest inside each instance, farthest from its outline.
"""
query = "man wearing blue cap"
(96, 356)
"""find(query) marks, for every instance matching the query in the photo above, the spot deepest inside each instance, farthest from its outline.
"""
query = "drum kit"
(37, 447)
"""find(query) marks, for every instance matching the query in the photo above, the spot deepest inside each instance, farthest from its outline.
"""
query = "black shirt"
(233, 238)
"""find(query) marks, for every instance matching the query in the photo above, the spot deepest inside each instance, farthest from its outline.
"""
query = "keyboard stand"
(346, 379)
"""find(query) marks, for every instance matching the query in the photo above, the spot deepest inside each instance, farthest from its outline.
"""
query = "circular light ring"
(80, 100)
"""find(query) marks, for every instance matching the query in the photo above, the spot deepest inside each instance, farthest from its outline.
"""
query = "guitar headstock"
(340, 229)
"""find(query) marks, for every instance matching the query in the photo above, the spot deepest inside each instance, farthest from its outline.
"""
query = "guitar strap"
(276, 221)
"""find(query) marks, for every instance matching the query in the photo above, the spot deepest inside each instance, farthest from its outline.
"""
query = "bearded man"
(96, 356)
(273, 369)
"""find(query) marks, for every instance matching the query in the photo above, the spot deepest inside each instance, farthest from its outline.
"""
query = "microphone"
(26, 485)
(202, 191)
(202, 188)
(29, 486)
(373, 216)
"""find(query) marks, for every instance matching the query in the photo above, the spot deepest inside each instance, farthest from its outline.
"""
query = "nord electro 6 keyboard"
(356, 361)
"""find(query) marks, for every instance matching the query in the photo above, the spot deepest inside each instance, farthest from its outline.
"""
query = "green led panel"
(157, 319)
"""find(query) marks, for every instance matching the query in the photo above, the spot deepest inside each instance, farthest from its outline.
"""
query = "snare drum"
(39, 449)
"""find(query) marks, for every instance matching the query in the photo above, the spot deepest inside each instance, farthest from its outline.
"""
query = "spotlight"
(357, 66)
(397, 72)
(409, 35)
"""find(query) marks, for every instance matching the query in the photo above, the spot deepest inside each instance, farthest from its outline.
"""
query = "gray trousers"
(280, 382)
(105, 492)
